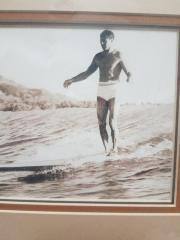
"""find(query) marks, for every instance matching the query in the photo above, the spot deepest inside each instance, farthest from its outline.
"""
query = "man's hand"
(128, 76)
(67, 83)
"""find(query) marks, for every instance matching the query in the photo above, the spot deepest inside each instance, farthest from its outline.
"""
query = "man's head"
(106, 39)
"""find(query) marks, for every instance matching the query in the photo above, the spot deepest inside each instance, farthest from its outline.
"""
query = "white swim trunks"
(108, 90)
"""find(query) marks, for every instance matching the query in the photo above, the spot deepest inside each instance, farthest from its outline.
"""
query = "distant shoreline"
(15, 97)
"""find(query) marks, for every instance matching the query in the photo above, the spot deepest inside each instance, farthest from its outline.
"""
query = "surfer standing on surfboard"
(110, 66)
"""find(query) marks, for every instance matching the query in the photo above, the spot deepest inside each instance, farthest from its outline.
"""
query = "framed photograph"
(89, 112)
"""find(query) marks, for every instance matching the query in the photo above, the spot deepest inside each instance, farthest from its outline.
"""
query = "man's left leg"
(113, 119)
(102, 111)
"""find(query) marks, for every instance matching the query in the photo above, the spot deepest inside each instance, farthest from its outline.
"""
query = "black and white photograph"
(87, 114)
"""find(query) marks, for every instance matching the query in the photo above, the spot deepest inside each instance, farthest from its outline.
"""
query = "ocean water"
(58, 155)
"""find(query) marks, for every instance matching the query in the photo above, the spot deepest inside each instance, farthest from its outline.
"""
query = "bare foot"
(112, 152)
(107, 151)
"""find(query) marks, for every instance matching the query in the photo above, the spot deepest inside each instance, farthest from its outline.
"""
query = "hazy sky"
(44, 58)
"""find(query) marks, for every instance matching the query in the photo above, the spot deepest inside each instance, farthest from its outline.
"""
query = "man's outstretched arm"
(82, 76)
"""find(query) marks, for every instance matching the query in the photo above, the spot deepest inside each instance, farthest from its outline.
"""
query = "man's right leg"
(113, 118)
(102, 110)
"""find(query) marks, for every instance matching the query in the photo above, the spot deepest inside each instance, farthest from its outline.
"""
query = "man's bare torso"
(109, 65)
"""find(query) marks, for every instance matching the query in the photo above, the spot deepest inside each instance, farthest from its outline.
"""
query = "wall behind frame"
(36, 226)
(138, 6)
(25, 226)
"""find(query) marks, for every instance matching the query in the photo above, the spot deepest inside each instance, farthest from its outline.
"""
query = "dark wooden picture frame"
(42, 18)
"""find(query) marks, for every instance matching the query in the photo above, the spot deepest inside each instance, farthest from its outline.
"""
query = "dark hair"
(107, 33)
